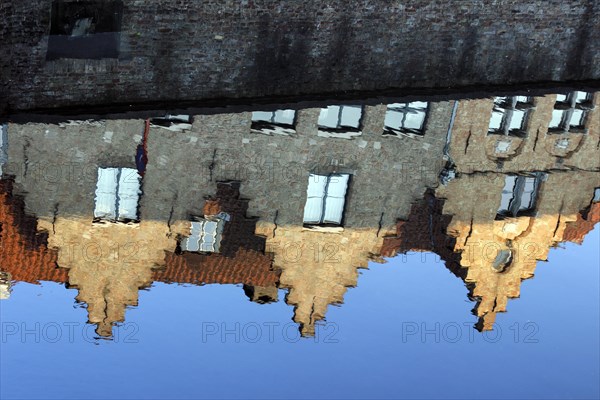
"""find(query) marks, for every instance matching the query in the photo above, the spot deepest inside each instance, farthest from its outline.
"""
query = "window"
(117, 195)
(340, 119)
(519, 195)
(205, 234)
(175, 123)
(406, 118)
(279, 121)
(326, 197)
(85, 29)
(510, 115)
(570, 112)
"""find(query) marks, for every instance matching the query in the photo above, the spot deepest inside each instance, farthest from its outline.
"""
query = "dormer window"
(340, 121)
(117, 195)
(205, 234)
(570, 112)
(326, 198)
(510, 116)
(519, 195)
(280, 122)
(406, 118)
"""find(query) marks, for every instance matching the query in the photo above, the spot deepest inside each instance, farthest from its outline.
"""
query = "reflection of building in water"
(503, 213)
(511, 134)
(320, 228)
(300, 199)
(112, 251)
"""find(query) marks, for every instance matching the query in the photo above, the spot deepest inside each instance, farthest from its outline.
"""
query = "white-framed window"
(278, 121)
(117, 194)
(205, 234)
(173, 122)
(325, 199)
(510, 115)
(519, 195)
(406, 118)
(340, 119)
(570, 112)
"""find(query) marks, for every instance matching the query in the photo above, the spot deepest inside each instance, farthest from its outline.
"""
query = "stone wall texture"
(197, 50)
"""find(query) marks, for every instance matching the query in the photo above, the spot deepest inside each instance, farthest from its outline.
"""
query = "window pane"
(285, 117)
(581, 97)
(507, 192)
(557, 116)
(418, 104)
(577, 118)
(316, 185)
(523, 99)
(518, 119)
(351, 116)
(106, 193)
(129, 193)
(336, 197)
(528, 194)
(338, 185)
(496, 120)
(561, 98)
(262, 116)
(313, 209)
(393, 118)
(329, 117)
(334, 209)
(415, 119)
(192, 243)
(210, 228)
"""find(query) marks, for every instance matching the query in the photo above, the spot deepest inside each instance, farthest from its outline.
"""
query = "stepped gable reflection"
(300, 199)
(242, 258)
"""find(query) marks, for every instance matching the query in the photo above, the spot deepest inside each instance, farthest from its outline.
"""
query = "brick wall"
(192, 50)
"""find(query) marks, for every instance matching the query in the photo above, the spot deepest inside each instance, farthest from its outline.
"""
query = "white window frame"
(508, 107)
(320, 194)
(340, 127)
(175, 123)
(405, 109)
(196, 241)
(274, 124)
(516, 201)
(565, 110)
(118, 192)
